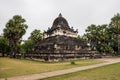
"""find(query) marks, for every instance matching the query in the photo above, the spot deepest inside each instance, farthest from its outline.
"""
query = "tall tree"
(13, 32)
(115, 31)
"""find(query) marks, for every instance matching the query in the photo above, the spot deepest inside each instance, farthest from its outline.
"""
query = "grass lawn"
(15, 67)
(109, 72)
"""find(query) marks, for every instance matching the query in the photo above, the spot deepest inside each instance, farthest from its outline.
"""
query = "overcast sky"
(40, 14)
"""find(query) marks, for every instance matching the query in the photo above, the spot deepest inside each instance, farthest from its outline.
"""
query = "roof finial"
(60, 15)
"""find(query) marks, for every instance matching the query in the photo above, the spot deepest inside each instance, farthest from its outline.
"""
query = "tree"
(91, 36)
(105, 38)
(115, 32)
(4, 47)
(36, 36)
(80, 37)
(98, 37)
(107, 49)
(13, 32)
(28, 46)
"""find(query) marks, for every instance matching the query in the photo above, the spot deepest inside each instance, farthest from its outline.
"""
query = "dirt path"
(60, 72)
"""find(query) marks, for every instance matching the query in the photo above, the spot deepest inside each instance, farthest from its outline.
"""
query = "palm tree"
(13, 32)
(36, 36)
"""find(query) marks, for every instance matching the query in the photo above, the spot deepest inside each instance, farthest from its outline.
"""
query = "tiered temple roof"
(60, 23)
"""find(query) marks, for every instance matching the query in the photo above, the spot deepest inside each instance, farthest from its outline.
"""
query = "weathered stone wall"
(61, 32)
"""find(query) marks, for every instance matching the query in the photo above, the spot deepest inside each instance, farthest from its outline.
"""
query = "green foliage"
(36, 36)
(20, 48)
(13, 32)
(28, 46)
(104, 38)
(114, 30)
(79, 37)
(72, 62)
(97, 36)
(115, 23)
(4, 47)
(107, 49)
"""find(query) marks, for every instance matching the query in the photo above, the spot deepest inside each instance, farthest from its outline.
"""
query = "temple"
(60, 42)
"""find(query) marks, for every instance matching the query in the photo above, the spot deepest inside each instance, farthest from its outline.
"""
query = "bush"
(72, 62)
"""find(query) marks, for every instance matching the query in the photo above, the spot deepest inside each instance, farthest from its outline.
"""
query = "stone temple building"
(60, 42)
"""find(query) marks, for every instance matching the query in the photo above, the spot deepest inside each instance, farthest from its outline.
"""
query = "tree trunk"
(13, 50)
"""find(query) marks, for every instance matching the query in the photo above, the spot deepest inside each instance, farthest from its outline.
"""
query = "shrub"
(72, 62)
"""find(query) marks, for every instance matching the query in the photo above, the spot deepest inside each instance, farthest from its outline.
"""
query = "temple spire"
(60, 15)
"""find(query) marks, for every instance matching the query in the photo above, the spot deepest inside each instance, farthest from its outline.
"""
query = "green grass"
(15, 67)
(109, 72)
